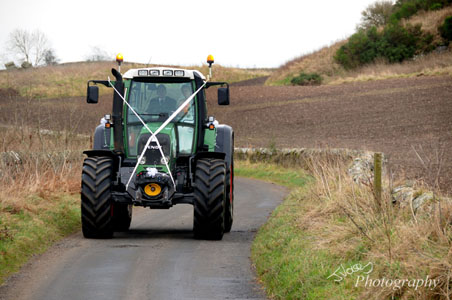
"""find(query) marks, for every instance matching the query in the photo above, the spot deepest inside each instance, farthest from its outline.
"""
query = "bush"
(26, 65)
(446, 29)
(307, 79)
(10, 66)
(407, 8)
(395, 44)
(360, 49)
(436, 6)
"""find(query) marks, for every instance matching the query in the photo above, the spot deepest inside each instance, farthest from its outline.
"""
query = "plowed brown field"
(404, 118)
(395, 116)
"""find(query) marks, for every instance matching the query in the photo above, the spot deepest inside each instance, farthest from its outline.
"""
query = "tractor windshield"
(155, 103)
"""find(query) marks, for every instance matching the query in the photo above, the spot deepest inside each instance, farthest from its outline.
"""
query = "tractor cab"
(155, 98)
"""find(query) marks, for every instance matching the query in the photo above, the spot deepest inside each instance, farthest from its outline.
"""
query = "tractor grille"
(152, 154)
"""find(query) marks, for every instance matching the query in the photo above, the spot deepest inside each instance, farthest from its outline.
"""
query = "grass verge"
(32, 228)
(331, 239)
(39, 192)
(287, 262)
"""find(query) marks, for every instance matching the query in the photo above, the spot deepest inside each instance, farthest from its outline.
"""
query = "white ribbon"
(148, 129)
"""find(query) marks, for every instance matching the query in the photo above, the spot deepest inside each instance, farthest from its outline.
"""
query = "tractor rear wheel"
(97, 178)
(122, 216)
(210, 199)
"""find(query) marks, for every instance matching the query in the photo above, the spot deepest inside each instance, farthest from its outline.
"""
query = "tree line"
(26, 49)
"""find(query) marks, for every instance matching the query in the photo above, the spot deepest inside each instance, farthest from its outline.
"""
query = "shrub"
(436, 6)
(10, 65)
(26, 65)
(360, 49)
(405, 10)
(307, 79)
(395, 44)
(446, 29)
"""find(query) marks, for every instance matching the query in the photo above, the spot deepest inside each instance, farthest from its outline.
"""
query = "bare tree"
(29, 47)
(98, 54)
(20, 43)
(376, 14)
(50, 58)
(40, 46)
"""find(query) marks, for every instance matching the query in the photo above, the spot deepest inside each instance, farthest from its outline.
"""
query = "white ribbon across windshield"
(154, 134)
(148, 129)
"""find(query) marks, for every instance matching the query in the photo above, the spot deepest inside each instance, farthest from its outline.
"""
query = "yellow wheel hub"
(152, 189)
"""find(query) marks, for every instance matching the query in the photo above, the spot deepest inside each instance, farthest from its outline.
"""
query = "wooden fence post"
(377, 177)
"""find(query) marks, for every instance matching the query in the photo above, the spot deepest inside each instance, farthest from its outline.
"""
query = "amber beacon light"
(210, 61)
(119, 60)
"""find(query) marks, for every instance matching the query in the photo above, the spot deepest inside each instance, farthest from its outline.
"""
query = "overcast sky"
(241, 33)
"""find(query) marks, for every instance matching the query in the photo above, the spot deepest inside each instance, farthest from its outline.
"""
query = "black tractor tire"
(210, 199)
(229, 211)
(97, 178)
(122, 216)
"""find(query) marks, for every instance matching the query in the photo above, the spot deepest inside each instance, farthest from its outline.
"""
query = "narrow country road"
(156, 259)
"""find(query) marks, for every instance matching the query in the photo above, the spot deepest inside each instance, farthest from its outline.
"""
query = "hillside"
(69, 80)
(322, 61)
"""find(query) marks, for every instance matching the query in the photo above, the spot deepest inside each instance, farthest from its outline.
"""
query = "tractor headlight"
(179, 73)
(154, 72)
(167, 72)
(142, 72)
(143, 161)
(162, 160)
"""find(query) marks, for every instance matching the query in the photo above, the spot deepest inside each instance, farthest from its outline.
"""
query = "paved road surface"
(156, 259)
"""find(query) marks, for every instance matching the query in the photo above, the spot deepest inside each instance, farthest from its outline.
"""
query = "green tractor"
(159, 148)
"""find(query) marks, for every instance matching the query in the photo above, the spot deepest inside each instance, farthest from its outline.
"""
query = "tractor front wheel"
(97, 213)
(210, 199)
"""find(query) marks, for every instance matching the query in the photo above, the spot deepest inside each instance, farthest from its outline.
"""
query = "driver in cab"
(162, 103)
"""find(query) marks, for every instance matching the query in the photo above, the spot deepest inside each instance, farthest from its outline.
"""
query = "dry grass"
(34, 162)
(320, 61)
(431, 20)
(428, 65)
(69, 80)
(39, 176)
(346, 220)
(33, 157)
(39, 187)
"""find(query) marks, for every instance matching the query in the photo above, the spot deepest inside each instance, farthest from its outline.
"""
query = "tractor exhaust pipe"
(117, 112)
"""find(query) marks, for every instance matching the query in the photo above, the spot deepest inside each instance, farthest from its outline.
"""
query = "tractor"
(157, 149)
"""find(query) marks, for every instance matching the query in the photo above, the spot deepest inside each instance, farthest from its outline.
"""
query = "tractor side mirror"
(223, 96)
(92, 94)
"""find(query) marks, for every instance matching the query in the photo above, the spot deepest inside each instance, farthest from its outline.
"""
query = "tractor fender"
(101, 138)
(108, 153)
(225, 142)
(216, 155)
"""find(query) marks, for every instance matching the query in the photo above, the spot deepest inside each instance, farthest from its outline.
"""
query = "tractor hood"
(168, 142)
